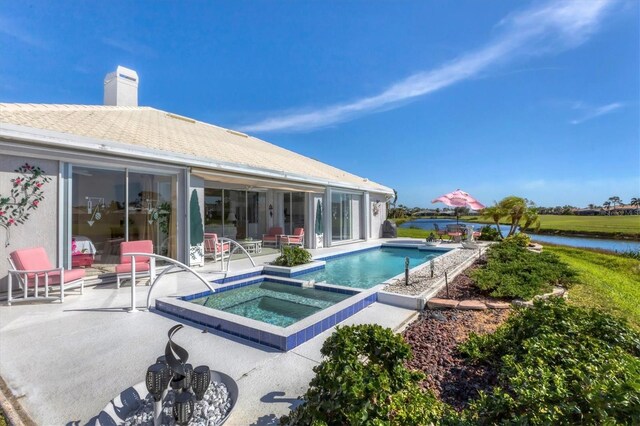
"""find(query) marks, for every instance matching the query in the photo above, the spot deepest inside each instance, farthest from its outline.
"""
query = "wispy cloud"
(130, 46)
(593, 112)
(553, 27)
(17, 32)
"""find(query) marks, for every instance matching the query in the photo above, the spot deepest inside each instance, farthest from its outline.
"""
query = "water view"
(585, 242)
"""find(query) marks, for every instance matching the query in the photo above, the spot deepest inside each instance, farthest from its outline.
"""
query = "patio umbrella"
(459, 198)
(319, 227)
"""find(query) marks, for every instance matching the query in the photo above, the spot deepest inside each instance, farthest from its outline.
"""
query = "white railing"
(237, 246)
(174, 263)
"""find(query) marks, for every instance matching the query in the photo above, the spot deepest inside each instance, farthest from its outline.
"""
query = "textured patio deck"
(64, 362)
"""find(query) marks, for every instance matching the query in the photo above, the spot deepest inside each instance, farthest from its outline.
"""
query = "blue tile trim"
(283, 343)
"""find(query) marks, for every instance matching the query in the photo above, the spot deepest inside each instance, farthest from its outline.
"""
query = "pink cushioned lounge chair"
(215, 249)
(34, 270)
(145, 265)
(297, 239)
(273, 237)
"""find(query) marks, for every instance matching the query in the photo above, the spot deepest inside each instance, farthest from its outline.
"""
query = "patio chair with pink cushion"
(214, 249)
(297, 239)
(34, 270)
(145, 265)
(273, 237)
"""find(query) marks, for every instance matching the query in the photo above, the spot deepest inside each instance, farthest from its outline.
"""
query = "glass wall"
(293, 211)
(97, 217)
(152, 211)
(235, 214)
(345, 216)
(102, 217)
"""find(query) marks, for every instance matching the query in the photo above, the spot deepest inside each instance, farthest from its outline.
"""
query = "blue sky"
(537, 99)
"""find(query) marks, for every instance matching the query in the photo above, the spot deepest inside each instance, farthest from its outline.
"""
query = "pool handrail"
(174, 263)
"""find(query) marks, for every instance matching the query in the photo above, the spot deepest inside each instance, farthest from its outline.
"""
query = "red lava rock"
(434, 338)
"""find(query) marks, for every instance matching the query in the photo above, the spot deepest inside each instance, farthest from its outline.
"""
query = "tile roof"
(152, 128)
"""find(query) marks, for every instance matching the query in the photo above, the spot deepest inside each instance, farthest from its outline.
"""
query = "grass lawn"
(604, 225)
(606, 281)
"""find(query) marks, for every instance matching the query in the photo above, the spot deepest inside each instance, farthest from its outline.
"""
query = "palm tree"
(635, 201)
(607, 206)
(615, 200)
(495, 213)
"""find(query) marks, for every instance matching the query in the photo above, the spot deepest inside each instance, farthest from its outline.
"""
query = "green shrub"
(522, 240)
(292, 256)
(489, 233)
(513, 271)
(363, 380)
(631, 254)
(559, 364)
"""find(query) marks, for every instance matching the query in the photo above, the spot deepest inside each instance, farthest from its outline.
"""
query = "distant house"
(123, 172)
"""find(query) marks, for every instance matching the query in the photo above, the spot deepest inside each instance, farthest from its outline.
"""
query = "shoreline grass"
(605, 281)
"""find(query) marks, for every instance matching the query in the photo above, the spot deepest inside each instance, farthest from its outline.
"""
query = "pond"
(597, 243)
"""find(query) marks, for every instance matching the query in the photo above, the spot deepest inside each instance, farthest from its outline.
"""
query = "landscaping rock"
(442, 303)
(472, 305)
(498, 305)
(434, 338)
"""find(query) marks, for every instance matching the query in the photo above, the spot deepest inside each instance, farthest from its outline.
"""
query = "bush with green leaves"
(489, 233)
(513, 271)
(559, 364)
(292, 256)
(520, 239)
(363, 380)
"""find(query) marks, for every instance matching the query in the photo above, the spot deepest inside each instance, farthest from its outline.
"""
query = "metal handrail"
(167, 259)
(237, 246)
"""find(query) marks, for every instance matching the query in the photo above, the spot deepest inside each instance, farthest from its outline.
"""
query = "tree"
(607, 207)
(516, 210)
(635, 201)
(615, 200)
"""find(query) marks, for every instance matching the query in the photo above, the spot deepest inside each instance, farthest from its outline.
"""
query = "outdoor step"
(436, 303)
(472, 305)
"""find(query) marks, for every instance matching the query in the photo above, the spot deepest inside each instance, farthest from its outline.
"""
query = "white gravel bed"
(209, 412)
(421, 280)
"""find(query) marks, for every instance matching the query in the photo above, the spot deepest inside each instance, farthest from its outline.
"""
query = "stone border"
(477, 305)
(419, 302)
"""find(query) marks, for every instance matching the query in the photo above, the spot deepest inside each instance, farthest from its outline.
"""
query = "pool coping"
(282, 338)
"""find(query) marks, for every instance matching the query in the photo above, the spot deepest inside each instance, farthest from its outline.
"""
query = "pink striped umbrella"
(459, 198)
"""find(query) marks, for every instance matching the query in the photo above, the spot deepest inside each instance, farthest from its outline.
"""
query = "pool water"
(369, 268)
(273, 303)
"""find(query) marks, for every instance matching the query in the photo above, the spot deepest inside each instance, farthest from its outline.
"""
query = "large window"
(345, 216)
(293, 211)
(235, 214)
(105, 212)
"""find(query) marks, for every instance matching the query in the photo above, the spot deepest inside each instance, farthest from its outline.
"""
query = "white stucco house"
(120, 172)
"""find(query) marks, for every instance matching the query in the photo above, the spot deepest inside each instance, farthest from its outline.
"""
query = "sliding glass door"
(345, 216)
(109, 206)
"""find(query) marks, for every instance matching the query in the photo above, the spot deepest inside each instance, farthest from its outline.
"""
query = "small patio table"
(252, 246)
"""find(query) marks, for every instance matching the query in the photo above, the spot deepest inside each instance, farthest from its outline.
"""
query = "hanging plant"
(26, 195)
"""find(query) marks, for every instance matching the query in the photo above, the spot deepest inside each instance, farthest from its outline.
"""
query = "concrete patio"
(64, 362)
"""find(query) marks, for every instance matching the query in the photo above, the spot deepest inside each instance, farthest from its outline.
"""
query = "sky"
(537, 99)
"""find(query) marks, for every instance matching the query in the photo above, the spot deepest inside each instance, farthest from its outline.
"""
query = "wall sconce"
(271, 210)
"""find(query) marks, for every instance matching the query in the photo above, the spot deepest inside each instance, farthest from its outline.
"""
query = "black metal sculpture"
(172, 370)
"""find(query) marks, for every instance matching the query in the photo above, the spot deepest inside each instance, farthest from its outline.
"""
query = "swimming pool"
(368, 268)
(271, 302)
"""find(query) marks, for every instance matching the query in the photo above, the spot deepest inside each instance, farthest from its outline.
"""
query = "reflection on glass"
(341, 217)
(97, 217)
(152, 211)
(213, 211)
